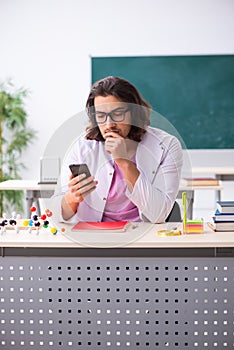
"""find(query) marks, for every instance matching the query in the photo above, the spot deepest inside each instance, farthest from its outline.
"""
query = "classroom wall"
(46, 47)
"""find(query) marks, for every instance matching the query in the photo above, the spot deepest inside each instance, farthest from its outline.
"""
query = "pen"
(211, 226)
(185, 215)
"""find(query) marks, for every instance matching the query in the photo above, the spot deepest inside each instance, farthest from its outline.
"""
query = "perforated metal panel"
(113, 303)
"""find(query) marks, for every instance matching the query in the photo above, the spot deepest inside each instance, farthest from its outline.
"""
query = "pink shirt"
(118, 206)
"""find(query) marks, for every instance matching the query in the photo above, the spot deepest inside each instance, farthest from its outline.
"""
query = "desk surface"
(147, 239)
(217, 170)
(25, 185)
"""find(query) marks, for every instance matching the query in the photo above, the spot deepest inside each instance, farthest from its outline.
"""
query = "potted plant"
(15, 137)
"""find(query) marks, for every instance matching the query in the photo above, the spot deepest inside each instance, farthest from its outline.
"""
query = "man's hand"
(116, 145)
(78, 188)
(122, 150)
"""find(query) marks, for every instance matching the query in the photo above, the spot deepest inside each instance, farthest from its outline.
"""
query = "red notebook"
(116, 226)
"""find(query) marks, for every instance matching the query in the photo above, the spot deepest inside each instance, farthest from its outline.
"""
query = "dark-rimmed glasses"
(117, 115)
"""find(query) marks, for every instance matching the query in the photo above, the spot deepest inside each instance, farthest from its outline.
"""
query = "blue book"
(231, 222)
(225, 207)
(223, 217)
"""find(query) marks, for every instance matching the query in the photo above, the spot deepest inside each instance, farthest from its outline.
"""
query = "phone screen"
(78, 169)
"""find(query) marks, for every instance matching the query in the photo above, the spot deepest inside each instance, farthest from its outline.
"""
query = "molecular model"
(12, 222)
(36, 222)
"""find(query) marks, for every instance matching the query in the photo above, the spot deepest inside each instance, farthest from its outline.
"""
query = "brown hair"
(126, 92)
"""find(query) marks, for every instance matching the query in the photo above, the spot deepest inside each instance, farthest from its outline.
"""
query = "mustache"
(112, 130)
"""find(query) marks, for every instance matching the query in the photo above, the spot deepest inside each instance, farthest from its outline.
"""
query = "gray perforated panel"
(116, 303)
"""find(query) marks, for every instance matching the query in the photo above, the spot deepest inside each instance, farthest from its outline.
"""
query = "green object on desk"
(184, 202)
(195, 93)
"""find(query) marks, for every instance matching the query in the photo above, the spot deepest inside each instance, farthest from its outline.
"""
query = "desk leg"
(32, 198)
(218, 192)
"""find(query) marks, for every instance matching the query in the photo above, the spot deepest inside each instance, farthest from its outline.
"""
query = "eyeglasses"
(117, 115)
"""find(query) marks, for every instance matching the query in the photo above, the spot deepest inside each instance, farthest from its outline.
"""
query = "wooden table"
(146, 293)
(33, 190)
(211, 162)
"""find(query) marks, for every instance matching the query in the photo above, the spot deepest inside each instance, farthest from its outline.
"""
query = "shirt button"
(104, 198)
(110, 174)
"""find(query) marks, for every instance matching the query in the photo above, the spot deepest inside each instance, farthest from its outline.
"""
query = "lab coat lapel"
(103, 174)
(149, 155)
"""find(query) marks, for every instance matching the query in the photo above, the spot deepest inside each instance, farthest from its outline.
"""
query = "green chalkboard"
(194, 93)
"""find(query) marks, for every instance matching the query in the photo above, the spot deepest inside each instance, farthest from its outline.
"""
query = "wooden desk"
(33, 190)
(152, 294)
(221, 173)
(211, 162)
(190, 190)
(144, 236)
(216, 170)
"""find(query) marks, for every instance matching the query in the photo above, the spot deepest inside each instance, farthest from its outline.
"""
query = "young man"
(135, 168)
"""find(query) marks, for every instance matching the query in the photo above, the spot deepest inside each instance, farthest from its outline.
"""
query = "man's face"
(116, 110)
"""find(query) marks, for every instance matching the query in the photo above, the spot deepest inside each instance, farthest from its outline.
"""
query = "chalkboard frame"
(195, 93)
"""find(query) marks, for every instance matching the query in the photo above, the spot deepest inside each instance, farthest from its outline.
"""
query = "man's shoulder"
(158, 135)
(82, 141)
(81, 145)
(161, 138)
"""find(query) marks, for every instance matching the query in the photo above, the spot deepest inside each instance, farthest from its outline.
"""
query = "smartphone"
(78, 169)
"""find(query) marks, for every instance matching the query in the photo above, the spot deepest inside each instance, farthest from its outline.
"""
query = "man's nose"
(109, 121)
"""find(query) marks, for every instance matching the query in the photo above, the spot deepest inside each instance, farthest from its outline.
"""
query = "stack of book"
(224, 216)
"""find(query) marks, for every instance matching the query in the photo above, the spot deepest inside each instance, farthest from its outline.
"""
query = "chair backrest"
(175, 214)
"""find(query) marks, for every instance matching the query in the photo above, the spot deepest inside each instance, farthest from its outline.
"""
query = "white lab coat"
(159, 160)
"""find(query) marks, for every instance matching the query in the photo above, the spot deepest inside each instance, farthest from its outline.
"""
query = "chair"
(175, 214)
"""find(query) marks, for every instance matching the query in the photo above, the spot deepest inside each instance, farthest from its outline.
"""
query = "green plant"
(15, 137)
